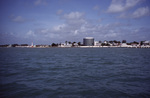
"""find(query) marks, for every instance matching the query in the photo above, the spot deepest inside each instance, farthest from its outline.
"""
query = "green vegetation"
(76, 44)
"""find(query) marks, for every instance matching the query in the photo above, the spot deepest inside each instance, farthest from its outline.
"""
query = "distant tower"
(88, 41)
(32, 44)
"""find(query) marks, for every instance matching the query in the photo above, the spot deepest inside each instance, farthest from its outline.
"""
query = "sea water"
(74, 72)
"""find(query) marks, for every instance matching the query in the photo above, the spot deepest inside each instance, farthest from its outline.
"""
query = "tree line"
(104, 43)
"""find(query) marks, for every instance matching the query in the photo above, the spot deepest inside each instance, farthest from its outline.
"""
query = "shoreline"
(86, 47)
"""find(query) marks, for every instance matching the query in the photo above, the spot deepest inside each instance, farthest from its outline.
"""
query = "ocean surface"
(74, 73)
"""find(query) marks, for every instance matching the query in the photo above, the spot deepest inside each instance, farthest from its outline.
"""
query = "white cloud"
(132, 3)
(96, 7)
(124, 15)
(74, 15)
(40, 2)
(75, 32)
(117, 6)
(74, 18)
(18, 19)
(143, 11)
(59, 12)
(110, 35)
(59, 27)
(30, 33)
(77, 26)
(138, 13)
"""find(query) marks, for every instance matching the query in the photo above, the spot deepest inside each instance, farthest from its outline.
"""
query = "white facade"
(124, 45)
(65, 45)
(88, 41)
(96, 43)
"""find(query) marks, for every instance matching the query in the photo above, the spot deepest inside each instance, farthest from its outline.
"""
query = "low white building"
(124, 45)
(75, 45)
(97, 43)
(146, 43)
(65, 45)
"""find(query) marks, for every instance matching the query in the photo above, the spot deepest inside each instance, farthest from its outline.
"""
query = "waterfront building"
(88, 41)
(146, 43)
(105, 42)
(124, 45)
(65, 45)
(97, 43)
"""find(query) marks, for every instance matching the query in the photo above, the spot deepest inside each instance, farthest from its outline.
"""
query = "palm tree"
(69, 42)
(123, 41)
(73, 43)
(66, 42)
(79, 43)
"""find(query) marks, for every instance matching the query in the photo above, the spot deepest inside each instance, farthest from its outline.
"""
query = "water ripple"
(74, 72)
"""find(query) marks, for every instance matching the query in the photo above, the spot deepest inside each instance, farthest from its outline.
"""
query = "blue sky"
(48, 21)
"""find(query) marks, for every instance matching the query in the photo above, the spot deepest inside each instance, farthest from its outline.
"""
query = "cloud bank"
(58, 22)
(117, 6)
(77, 26)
